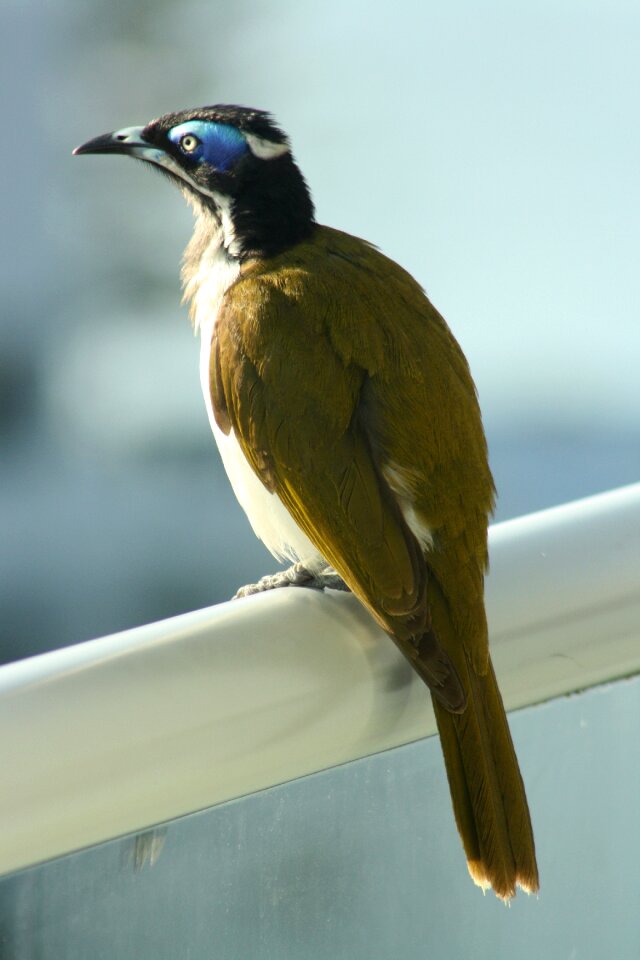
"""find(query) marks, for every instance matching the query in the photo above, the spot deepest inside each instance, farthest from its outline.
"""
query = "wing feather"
(315, 455)
(323, 441)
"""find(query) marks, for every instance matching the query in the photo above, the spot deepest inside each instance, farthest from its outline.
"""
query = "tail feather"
(487, 791)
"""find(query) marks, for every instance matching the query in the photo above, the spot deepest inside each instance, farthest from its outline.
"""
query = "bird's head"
(232, 162)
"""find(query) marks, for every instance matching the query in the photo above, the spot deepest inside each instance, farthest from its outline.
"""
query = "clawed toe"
(265, 583)
(296, 576)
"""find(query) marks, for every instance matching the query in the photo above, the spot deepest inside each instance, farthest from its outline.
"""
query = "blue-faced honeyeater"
(348, 423)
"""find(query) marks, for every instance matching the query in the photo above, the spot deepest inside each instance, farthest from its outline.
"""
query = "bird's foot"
(297, 575)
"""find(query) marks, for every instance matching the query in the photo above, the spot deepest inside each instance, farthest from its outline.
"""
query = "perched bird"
(348, 423)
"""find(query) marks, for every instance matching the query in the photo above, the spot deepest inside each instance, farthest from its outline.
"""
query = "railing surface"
(121, 733)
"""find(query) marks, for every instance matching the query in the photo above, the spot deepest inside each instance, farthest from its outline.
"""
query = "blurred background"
(492, 149)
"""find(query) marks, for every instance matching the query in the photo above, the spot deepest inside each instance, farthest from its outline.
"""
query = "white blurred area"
(112, 386)
(492, 149)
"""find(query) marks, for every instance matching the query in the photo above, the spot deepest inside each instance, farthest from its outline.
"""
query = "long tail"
(489, 800)
(487, 792)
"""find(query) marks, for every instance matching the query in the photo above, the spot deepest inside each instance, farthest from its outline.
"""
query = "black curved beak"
(128, 141)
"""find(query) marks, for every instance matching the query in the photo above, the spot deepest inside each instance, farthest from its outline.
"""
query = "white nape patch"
(403, 481)
(265, 149)
(270, 520)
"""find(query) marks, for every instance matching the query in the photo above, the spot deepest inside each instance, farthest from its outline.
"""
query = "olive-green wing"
(293, 404)
(422, 416)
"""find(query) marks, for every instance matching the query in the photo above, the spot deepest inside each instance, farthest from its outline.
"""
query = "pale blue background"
(491, 148)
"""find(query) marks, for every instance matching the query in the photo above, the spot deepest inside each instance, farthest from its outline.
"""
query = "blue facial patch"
(220, 144)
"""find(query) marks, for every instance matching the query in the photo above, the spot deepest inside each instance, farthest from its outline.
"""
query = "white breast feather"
(270, 520)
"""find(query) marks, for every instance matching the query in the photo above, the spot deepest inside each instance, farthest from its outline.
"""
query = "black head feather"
(268, 199)
(244, 119)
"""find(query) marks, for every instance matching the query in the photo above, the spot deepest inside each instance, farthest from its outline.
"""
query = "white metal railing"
(121, 733)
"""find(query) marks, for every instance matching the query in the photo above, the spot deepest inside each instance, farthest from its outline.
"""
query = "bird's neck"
(258, 224)
(270, 215)
(271, 212)
(209, 265)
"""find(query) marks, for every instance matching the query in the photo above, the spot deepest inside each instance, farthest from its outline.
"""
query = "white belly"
(271, 522)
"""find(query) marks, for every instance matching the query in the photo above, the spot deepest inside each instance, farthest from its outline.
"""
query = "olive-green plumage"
(354, 404)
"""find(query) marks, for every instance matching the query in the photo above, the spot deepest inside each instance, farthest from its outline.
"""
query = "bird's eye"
(189, 143)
